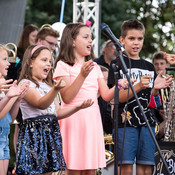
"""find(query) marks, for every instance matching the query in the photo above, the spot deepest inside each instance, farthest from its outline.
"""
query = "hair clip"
(88, 23)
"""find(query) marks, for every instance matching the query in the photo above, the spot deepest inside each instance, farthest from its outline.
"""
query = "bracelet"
(120, 87)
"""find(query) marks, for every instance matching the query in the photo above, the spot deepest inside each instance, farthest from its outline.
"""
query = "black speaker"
(168, 152)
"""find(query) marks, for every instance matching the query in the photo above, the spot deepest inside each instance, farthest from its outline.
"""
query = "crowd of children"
(68, 135)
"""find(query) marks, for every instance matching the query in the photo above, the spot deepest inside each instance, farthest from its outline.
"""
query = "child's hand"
(170, 58)
(86, 68)
(14, 90)
(162, 82)
(59, 84)
(4, 86)
(144, 81)
(85, 104)
(24, 87)
(124, 82)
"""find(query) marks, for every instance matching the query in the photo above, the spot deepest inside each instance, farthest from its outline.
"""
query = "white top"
(29, 111)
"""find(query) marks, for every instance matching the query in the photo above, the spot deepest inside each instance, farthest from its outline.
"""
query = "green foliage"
(155, 17)
(47, 12)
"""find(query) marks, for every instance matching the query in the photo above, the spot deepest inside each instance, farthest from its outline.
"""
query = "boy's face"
(133, 43)
(160, 65)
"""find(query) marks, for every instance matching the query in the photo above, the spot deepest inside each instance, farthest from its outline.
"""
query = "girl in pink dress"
(82, 133)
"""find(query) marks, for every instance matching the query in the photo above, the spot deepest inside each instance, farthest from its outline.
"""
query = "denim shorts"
(4, 143)
(138, 146)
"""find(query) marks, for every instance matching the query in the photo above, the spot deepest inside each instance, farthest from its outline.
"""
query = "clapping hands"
(59, 84)
(170, 58)
(18, 90)
(87, 68)
(124, 82)
(4, 84)
(162, 82)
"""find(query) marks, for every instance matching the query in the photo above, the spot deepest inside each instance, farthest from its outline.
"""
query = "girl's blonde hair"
(26, 72)
(5, 48)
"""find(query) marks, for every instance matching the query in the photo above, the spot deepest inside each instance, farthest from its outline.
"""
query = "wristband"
(119, 86)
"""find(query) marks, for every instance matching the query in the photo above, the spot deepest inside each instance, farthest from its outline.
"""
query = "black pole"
(116, 103)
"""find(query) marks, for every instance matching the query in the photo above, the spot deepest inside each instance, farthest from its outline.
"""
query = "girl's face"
(4, 64)
(41, 66)
(83, 42)
(32, 37)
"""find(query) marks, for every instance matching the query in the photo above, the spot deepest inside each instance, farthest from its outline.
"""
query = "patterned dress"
(39, 145)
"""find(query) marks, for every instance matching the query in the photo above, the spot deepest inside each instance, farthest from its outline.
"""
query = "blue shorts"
(138, 146)
(4, 143)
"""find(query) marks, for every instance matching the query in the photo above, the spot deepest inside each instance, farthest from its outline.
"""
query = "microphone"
(107, 31)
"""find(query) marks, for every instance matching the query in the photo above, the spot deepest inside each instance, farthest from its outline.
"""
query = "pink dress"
(82, 133)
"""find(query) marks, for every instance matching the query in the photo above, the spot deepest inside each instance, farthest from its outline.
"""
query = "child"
(39, 146)
(138, 142)
(82, 133)
(9, 105)
(159, 61)
(170, 58)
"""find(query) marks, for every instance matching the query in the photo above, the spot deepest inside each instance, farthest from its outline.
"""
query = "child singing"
(39, 146)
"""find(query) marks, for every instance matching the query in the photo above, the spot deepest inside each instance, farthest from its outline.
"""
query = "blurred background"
(156, 15)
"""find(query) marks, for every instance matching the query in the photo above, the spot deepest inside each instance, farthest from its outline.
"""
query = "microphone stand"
(116, 103)
(125, 71)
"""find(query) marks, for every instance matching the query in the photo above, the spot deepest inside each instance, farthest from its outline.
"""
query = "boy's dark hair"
(159, 56)
(129, 25)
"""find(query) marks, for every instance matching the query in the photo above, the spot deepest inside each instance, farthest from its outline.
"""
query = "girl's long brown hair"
(26, 72)
(66, 53)
(23, 42)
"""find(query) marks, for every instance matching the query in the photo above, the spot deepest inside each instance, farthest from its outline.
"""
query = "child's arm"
(123, 83)
(71, 90)
(4, 102)
(12, 92)
(108, 94)
(43, 102)
(143, 84)
(15, 108)
(7, 107)
(63, 113)
(161, 83)
(4, 84)
(170, 58)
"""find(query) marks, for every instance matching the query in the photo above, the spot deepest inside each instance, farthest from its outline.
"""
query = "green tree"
(47, 12)
(157, 17)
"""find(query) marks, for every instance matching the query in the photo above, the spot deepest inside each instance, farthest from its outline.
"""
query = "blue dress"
(4, 135)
